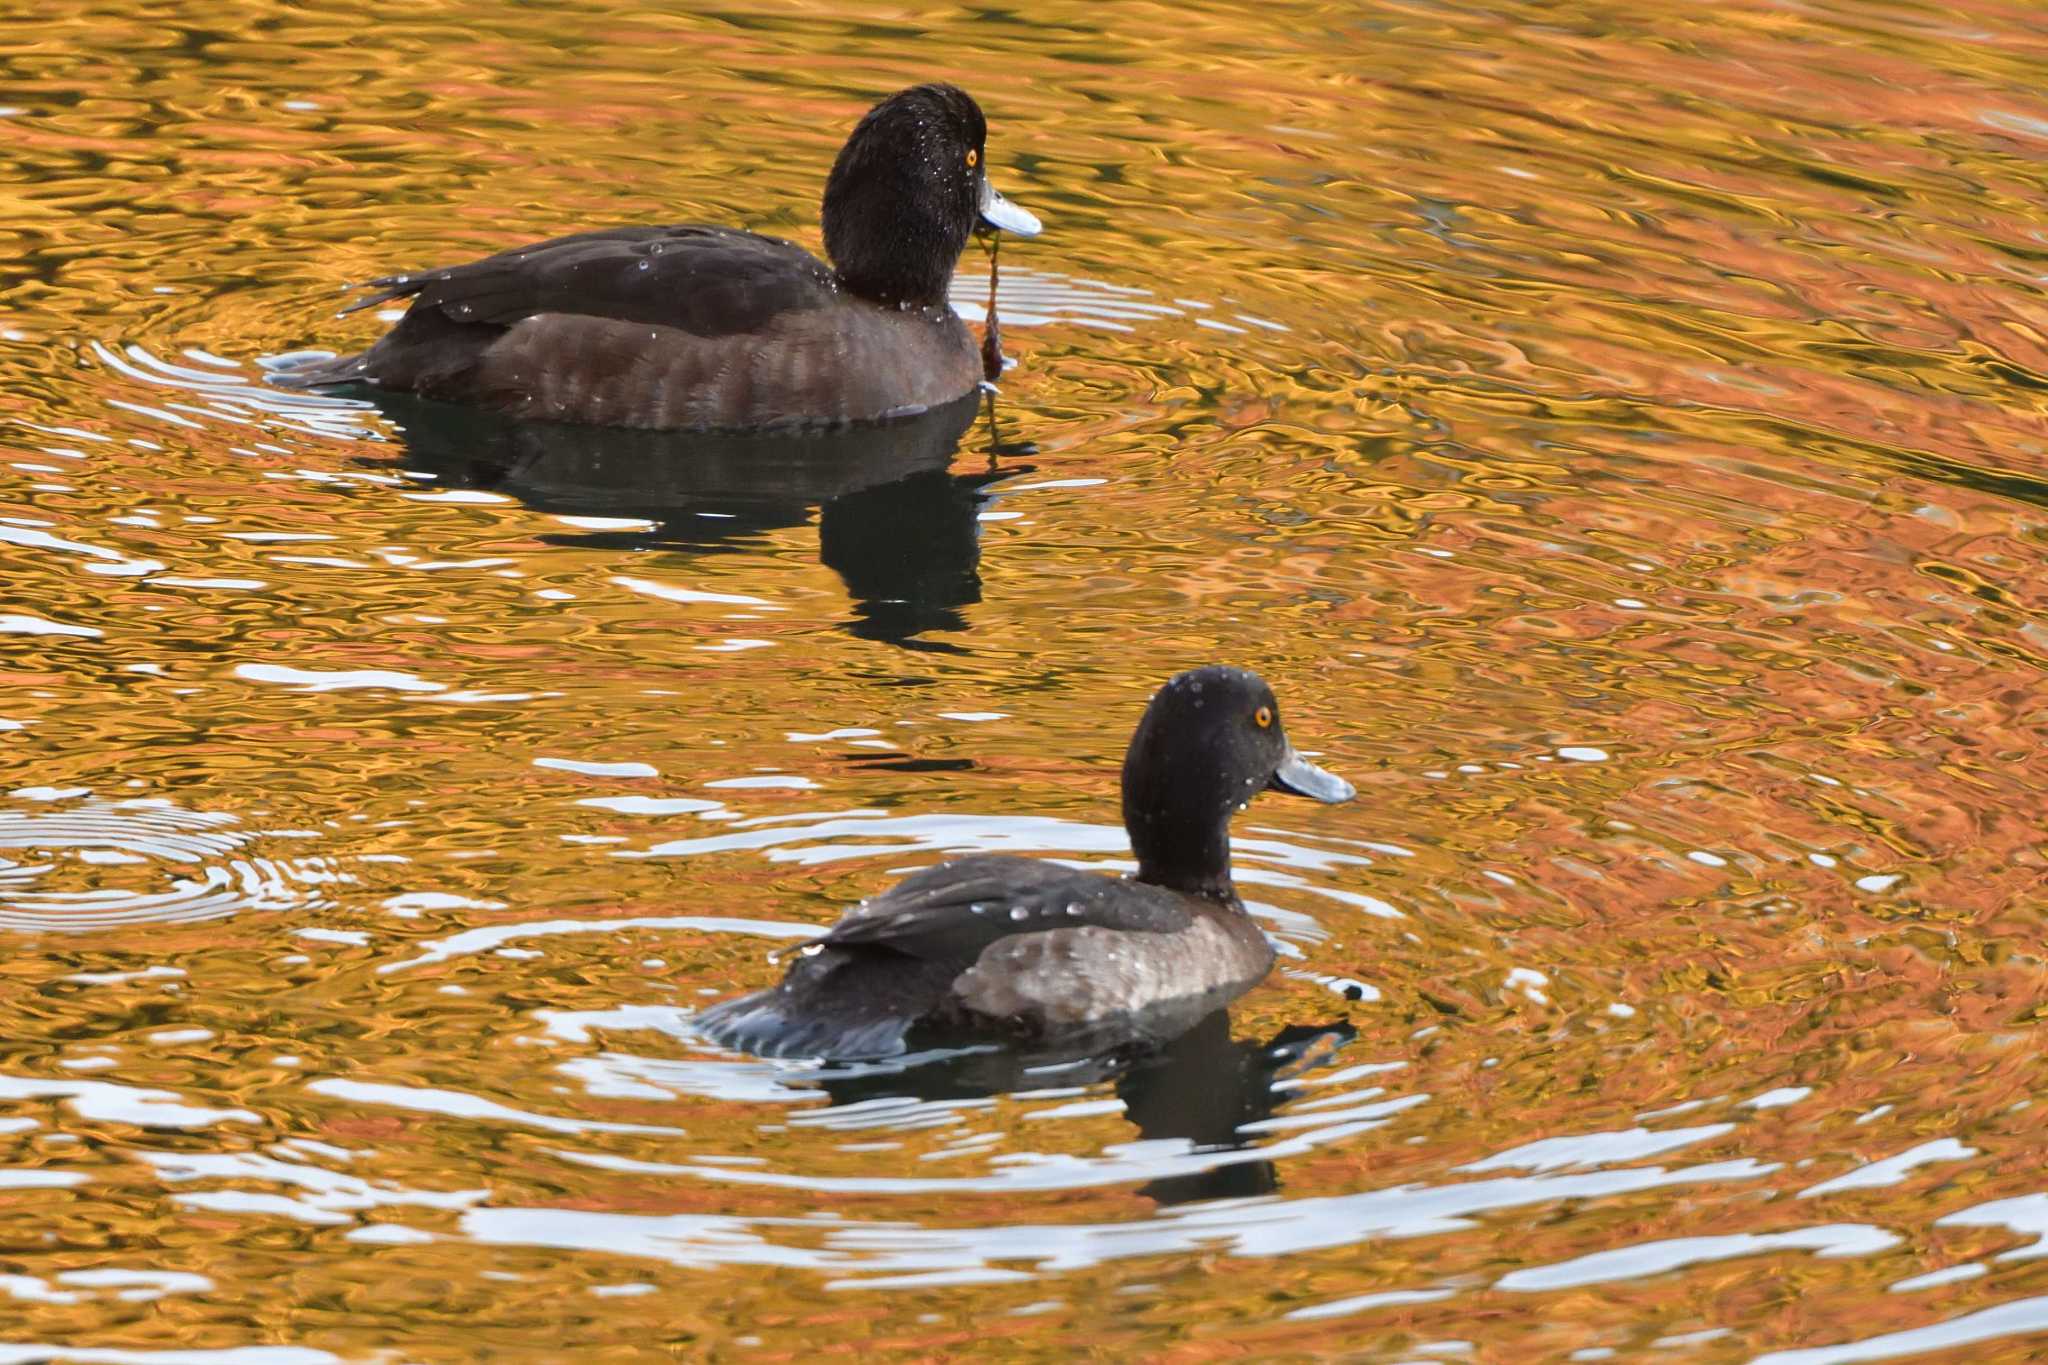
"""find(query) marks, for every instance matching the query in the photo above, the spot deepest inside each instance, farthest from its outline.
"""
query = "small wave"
(223, 394)
(82, 865)
(1040, 298)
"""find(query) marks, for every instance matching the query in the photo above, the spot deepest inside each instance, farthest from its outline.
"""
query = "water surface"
(1617, 431)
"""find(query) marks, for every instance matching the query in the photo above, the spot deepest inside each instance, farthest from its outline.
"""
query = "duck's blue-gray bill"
(998, 212)
(1303, 778)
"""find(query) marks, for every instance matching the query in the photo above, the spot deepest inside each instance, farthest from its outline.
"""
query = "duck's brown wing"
(951, 912)
(707, 281)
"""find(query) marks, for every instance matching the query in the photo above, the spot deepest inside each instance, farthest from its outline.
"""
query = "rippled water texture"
(1619, 431)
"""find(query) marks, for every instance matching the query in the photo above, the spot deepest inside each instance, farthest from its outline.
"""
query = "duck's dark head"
(1210, 741)
(909, 186)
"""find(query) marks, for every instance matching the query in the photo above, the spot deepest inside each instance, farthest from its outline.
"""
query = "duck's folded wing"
(704, 280)
(953, 911)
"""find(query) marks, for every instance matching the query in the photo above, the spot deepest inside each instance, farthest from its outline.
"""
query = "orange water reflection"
(1618, 431)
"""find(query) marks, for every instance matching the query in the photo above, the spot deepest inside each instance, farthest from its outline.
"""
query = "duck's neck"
(1199, 872)
(896, 287)
(885, 247)
(1182, 841)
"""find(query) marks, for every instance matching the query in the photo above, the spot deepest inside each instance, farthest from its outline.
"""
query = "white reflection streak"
(669, 592)
(2020, 1317)
(13, 1353)
(2026, 1214)
(957, 833)
(480, 940)
(1280, 1227)
(1969, 1270)
(112, 562)
(1656, 1258)
(37, 625)
(1124, 1163)
(330, 1197)
(461, 1105)
(616, 1076)
(1893, 1169)
(105, 1102)
(1392, 1298)
(1597, 1149)
(336, 680)
(683, 1239)
(1249, 1227)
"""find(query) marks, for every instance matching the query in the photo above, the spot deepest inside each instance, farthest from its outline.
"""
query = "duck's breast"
(1067, 977)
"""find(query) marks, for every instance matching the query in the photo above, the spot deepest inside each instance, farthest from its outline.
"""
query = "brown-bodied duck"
(712, 328)
(1026, 949)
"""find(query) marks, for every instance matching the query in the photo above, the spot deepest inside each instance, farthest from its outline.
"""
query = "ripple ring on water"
(212, 865)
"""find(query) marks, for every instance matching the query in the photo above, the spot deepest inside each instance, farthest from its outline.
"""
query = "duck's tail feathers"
(846, 1004)
(771, 1023)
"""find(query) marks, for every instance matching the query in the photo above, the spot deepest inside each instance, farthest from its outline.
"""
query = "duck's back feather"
(954, 911)
(708, 281)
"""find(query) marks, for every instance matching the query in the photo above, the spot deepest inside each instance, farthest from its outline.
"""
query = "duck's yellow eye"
(973, 158)
(1263, 717)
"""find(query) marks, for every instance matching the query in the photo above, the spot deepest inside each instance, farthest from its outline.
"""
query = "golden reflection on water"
(1618, 432)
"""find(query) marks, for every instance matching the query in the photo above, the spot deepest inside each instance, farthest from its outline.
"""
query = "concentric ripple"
(72, 864)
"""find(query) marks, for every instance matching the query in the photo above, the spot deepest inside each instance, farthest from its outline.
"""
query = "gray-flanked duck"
(713, 328)
(1032, 951)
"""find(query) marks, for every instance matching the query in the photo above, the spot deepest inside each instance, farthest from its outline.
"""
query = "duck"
(691, 327)
(1031, 952)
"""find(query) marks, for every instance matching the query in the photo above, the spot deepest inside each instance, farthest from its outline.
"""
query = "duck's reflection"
(896, 524)
(1199, 1085)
